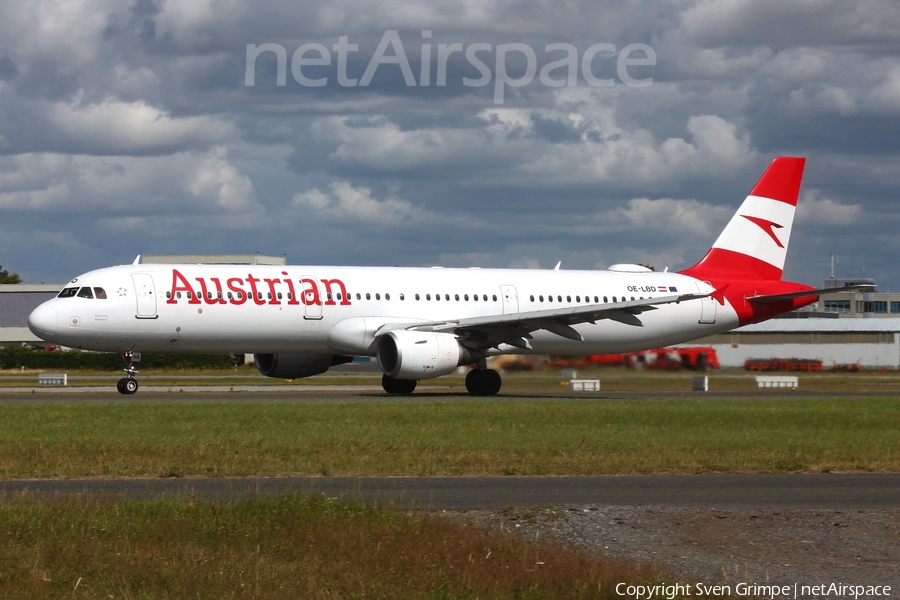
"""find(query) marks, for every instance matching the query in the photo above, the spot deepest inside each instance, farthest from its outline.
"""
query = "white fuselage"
(337, 310)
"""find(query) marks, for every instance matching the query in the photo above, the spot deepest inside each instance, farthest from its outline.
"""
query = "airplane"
(421, 323)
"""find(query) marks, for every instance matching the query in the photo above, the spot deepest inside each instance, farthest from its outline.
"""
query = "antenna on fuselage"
(137, 260)
(558, 265)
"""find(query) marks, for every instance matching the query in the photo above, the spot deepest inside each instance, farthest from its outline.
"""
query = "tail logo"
(766, 226)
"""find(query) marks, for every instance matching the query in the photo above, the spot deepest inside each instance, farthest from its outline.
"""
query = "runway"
(831, 491)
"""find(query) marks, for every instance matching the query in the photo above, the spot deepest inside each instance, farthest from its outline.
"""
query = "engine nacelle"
(421, 354)
(295, 366)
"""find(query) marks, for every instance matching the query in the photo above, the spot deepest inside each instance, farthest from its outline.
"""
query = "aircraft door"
(510, 299)
(311, 297)
(145, 292)
(707, 309)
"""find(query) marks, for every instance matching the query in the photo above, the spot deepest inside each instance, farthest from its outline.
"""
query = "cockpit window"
(68, 293)
(100, 293)
(85, 292)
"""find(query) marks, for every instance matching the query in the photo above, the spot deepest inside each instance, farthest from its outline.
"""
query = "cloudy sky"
(149, 127)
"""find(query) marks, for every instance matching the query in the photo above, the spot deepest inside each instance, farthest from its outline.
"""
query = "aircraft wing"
(515, 328)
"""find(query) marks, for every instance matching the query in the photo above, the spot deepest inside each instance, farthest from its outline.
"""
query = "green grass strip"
(577, 437)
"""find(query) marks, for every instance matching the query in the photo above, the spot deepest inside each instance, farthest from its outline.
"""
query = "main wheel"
(398, 386)
(127, 386)
(483, 382)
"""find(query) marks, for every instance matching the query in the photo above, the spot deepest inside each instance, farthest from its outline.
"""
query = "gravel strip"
(714, 545)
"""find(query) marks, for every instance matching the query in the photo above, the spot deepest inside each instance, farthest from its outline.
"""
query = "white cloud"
(357, 203)
(600, 150)
(113, 127)
(186, 183)
(817, 210)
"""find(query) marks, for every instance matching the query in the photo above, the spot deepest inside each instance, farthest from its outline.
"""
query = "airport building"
(867, 305)
(871, 343)
(16, 303)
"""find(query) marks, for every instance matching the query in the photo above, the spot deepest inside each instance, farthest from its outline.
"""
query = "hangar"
(872, 343)
(17, 300)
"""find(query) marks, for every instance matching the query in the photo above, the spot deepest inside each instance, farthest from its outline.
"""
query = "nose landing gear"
(128, 384)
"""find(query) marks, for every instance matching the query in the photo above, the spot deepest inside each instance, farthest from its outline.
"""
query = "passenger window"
(219, 295)
(368, 296)
(417, 296)
(190, 295)
(387, 296)
(278, 295)
(100, 293)
(209, 295)
(230, 297)
(605, 300)
(597, 300)
(549, 298)
(494, 297)
(358, 296)
(269, 295)
(475, 297)
(428, 296)
(457, 297)
(484, 297)
(531, 298)
(437, 297)
(541, 298)
(86, 292)
(614, 299)
(559, 298)
(568, 298)
(447, 297)
(378, 296)
(402, 297)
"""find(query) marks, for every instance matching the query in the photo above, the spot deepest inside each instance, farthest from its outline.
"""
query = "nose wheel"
(128, 384)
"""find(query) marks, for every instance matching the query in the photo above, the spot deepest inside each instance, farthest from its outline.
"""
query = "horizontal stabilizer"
(808, 293)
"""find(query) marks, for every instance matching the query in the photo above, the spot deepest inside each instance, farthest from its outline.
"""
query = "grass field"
(465, 437)
(288, 547)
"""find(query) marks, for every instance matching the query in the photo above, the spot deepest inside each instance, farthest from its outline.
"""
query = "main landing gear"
(398, 386)
(128, 384)
(483, 382)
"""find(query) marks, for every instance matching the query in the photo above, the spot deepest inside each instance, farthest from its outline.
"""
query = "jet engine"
(295, 366)
(421, 355)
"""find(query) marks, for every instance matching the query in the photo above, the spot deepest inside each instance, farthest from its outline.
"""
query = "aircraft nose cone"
(42, 321)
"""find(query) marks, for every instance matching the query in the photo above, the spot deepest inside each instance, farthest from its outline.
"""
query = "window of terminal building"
(895, 307)
(837, 306)
(878, 306)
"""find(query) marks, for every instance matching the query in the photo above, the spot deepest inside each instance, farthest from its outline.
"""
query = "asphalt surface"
(835, 491)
